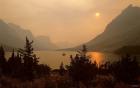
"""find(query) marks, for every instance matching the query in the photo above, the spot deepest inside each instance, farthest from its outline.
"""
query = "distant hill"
(63, 45)
(123, 31)
(13, 36)
(44, 43)
(128, 50)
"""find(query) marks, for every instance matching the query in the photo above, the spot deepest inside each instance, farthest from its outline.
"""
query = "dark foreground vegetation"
(22, 70)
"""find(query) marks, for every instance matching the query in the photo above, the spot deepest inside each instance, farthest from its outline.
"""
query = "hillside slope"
(124, 30)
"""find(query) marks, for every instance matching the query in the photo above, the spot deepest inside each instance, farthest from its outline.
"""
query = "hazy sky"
(72, 21)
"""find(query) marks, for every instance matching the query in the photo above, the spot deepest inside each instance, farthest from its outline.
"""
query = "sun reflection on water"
(96, 56)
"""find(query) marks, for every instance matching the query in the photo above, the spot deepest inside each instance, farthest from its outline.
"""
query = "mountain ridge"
(12, 35)
(122, 31)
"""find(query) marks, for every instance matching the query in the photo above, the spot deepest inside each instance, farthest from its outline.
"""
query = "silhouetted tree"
(30, 61)
(14, 65)
(62, 69)
(104, 69)
(2, 61)
(126, 70)
(42, 70)
(81, 69)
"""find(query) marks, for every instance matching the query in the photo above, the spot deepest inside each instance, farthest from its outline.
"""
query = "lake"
(54, 58)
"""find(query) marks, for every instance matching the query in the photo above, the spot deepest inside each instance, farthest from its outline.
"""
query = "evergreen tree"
(43, 70)
(126, 70)
(11, 64)
(14, 65)
(2, 61)
(29, 60)
(81, 69)
(62, 69)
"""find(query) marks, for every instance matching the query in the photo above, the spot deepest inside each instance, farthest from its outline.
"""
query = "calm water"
(54, 58)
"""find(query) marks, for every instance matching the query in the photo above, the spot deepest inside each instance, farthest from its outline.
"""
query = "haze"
(70, 21)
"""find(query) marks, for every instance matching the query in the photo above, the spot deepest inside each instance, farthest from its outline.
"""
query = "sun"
(97, 14)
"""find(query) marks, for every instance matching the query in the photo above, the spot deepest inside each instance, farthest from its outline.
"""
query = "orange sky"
(72, 21)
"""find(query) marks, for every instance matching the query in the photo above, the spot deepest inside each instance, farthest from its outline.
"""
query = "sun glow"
(98, 57)
(97, 14)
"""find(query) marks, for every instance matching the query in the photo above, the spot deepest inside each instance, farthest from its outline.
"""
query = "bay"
(55, 58)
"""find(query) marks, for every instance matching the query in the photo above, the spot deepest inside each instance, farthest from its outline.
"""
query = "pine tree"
(14, 65)
(2, 61)
(11, 64)
(81, 69)
(62, 69)
(126, 70)
(29, 60)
